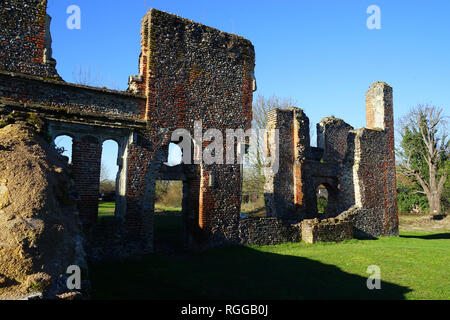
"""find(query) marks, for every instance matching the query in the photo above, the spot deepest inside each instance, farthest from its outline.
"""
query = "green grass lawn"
(165, 209)
(106, 209)
(167, 226)
(413, 266)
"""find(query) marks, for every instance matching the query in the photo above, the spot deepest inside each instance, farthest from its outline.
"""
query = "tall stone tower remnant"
(357, 167)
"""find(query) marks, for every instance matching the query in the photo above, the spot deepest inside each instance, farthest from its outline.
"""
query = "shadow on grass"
(231, 273)
(168, 231)
(439, 217)
(436, 236)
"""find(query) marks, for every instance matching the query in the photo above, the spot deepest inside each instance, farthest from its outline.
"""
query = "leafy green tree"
(408, 199)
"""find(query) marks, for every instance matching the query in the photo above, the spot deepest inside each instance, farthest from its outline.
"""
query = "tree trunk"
(434, 196)
(435, 203)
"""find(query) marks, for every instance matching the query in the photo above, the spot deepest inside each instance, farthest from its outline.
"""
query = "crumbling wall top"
(25, 38)
(192, 71)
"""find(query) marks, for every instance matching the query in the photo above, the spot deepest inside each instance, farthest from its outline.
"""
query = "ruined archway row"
(141, 162)
(87, 147)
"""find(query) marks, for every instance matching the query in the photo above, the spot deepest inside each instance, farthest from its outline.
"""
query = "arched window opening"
(63, 145)
(108, 179)
(175, 155)
(322, 199)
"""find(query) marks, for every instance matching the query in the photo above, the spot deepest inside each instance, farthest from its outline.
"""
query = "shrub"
(408, 200)
(169, 193)
(322, 204)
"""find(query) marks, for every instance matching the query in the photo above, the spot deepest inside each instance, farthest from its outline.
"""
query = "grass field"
(413, 266)
(106, 209)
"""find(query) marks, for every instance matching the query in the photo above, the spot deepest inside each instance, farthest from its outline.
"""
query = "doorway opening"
(108, 180)
(169, 223)
(322, 200)
(327, 201)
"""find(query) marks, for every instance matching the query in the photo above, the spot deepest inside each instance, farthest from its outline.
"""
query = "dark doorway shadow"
(168, 229)
(232, 273)
(437, 236)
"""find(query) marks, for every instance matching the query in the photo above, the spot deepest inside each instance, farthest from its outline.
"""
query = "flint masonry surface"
(190, 72)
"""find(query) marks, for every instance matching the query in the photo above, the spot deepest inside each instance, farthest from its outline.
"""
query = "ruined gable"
(357, 167)
(192, 71)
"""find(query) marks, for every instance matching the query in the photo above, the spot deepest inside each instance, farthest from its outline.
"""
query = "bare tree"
(261, 108)
(104, 173)
(424, 150)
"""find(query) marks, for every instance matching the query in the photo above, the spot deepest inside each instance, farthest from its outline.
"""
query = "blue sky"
(318, 53)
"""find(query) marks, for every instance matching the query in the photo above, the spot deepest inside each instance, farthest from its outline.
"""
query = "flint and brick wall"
(329, 230)
(332, 135)
(24, 38)
(268, 231)
(379, 100)
(28, 76)
(285, 190)
(195, 72)
(187, 72)
(371, 165)
(141, 181)
(332, 138)
(86, 159)
(192, 72)
(356, 166)
(278, 188)
(68, 100)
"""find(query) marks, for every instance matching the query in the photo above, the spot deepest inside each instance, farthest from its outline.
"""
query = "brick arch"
(192, 144)
(153, 169)
(63, 133)
(116, 139)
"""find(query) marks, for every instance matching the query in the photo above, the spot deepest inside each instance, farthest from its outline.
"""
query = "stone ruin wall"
(192, 72)
(277, 206)
(285, 190)
(25, 38)
(188, 72)
(328, 230)
(374, 167)
(268, 231)
(356, 166)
